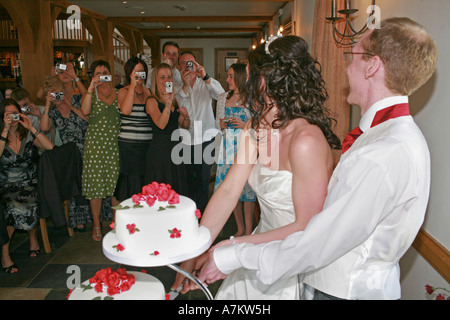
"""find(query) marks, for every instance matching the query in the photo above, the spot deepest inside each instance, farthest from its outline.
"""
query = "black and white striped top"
(135, 127)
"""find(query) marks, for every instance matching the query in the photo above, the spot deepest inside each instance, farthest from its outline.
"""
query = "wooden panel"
(434, 253)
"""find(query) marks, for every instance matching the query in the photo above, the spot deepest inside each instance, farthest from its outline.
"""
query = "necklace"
(106, 95)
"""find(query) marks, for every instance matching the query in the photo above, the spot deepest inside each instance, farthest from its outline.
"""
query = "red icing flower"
(175, 233)
(198, 214)
(167, 296)
(175, 199)
(156, 191)
(99, 287)
(150, 201)
(119, 247)
(429, 289)
(112, 225)
(113, 281)
(155, 253)
(132, 228)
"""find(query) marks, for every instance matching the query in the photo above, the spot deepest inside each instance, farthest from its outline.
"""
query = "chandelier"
(349, 35)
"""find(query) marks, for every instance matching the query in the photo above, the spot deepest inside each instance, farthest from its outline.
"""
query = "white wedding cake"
(156, 227)
(119, 285)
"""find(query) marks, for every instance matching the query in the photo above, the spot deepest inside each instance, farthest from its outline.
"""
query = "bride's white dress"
(273, 189)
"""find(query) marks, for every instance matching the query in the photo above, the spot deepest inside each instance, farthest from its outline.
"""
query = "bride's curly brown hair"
(291, 80)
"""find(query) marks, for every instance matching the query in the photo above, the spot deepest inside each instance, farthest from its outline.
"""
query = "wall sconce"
(349, 35)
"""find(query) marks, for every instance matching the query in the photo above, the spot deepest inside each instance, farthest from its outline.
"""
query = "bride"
(284, 153)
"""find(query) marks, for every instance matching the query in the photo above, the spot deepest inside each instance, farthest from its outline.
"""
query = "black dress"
(159, 165)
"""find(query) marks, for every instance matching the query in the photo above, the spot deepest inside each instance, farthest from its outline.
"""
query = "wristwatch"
(206, 77)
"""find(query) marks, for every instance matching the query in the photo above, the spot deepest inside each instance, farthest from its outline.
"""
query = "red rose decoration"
(113, 279)
(98, 287)
(156, 191)
(150, 201)
(175, 233)
(132, 228)
(113, 282)
(198, 214)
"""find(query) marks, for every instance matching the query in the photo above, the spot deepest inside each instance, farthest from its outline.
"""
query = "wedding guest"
(18, 178)
(166, 117)
(135, 131)
(101, 150)
(71, 124)
(285, 154)
(74, 88)
(198, 100)
(231, 116)
(34, 112)
(378, 195)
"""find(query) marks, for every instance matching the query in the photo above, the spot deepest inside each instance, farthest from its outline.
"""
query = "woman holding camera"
(18, 178)
(101, 151)
(73, 86)
(71, 124)
(135, 131)
(231, 116)
(165, 117)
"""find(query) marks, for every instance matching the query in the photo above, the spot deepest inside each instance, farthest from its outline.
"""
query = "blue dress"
(229, 145)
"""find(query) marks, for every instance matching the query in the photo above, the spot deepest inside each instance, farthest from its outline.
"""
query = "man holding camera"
(170, 51)
(198, 101)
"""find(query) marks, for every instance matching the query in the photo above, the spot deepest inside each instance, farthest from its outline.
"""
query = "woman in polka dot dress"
(101, 151)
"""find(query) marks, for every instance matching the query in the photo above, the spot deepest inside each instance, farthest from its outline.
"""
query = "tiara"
(271, 39)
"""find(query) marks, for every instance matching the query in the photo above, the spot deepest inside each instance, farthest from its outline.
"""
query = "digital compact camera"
(57, 96)
(61, 66)
(25, 109)
(169, 87)
(141, 75)
(190, 66)
(15, 117)
(107, 78)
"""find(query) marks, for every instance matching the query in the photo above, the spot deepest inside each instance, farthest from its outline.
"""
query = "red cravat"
(381, 116)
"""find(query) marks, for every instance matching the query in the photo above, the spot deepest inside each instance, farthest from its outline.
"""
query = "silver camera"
(61, 66)
(57, 96)
(25, 109)
(107, 78)
(15, 117)
(190, 66)
(169, 87)
(141, 75)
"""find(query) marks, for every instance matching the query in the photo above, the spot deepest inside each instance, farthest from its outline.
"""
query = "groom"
(378, 194)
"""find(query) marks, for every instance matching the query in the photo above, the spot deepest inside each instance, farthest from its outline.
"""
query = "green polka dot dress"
(101, 150)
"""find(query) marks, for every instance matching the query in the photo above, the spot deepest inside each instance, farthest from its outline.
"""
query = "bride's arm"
(224, 199)
(309, 157)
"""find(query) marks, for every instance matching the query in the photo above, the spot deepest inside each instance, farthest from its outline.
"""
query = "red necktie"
(381, 116)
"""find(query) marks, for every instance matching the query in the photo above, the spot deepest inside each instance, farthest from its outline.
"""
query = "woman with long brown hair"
(285, 155)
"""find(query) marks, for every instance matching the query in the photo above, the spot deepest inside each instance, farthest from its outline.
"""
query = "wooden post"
(33, 19)
(102, 32)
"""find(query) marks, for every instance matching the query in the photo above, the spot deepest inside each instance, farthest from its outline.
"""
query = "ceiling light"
(142, 12)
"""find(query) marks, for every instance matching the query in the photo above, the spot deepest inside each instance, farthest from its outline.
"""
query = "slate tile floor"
(45, 276)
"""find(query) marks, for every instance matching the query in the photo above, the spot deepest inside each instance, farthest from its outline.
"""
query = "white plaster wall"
(430, 107)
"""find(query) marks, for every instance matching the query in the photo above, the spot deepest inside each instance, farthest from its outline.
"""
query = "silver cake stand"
(199, 246)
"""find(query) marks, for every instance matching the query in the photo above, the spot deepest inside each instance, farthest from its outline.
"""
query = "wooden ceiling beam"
(203, 30)
(193, 19)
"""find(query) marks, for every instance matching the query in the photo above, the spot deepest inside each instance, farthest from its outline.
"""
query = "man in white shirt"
(198, 101)
(378, 194)
(170, 52)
